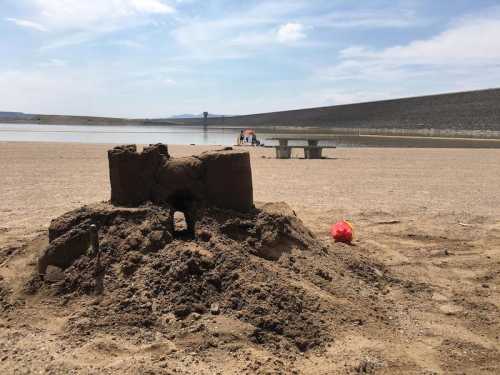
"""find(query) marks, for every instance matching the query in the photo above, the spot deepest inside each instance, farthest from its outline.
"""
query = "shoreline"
(283, 129)
(197, 134)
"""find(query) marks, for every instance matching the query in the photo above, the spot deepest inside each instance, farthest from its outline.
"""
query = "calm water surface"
(117, 134)
(192, 134)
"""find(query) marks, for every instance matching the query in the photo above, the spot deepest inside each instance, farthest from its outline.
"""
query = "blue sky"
(154, 58)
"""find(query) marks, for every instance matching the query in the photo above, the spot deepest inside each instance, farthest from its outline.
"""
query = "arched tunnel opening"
(183, 203)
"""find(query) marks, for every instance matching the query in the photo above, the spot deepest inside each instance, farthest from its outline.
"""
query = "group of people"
(248, 137)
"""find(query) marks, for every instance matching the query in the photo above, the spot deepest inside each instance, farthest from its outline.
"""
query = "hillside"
(474, 110)
(22, 118)
(13, 115)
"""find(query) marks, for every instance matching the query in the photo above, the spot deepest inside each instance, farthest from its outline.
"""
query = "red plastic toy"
(342, 231)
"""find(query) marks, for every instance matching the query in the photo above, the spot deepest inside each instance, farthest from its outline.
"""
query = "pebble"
(214, 308)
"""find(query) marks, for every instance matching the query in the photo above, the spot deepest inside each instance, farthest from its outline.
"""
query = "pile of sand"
(237, 264)
(239, 275)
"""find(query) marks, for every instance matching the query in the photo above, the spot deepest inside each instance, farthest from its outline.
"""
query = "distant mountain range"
(21, 115)
(13, 114)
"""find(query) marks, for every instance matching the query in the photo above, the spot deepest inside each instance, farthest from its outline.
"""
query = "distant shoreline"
(342, 140)
(324, 131)
(471, 115)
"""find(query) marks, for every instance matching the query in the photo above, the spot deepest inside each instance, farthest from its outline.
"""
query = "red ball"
(342, 231)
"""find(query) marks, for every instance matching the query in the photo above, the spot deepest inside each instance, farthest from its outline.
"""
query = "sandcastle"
(213, 179)
(129, 251)
(221, 179)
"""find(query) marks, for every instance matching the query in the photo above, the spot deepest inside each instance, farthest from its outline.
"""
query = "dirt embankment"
(463, 111)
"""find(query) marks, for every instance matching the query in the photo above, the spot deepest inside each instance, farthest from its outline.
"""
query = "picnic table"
(311, 151)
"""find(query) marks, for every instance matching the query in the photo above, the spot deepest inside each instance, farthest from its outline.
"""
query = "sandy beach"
(429, 217)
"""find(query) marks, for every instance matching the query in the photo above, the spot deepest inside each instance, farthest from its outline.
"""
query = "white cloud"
(81, 21)
(291, 32)
(54, 63)
(235, 34)
(393, 17)
(470, 47)
(461, 44)
(457, 59)
(88, 14)
(71, 39)
(76, 21)
(151, 6)
(26, 23)
(241, 33)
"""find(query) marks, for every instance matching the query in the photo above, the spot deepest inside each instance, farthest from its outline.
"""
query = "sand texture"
(417, 293)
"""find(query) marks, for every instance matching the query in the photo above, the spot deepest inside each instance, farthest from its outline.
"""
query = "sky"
(157, 58)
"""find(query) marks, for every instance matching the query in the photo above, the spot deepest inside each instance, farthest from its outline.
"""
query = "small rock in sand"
(450, 309)
(214, 309)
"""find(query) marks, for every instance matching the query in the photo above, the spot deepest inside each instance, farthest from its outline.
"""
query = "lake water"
(198, 135)
(128, 134)
(117, 134)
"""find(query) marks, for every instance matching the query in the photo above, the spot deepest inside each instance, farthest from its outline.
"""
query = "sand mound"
(237, 264)
(230, 258)
(182, 250)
